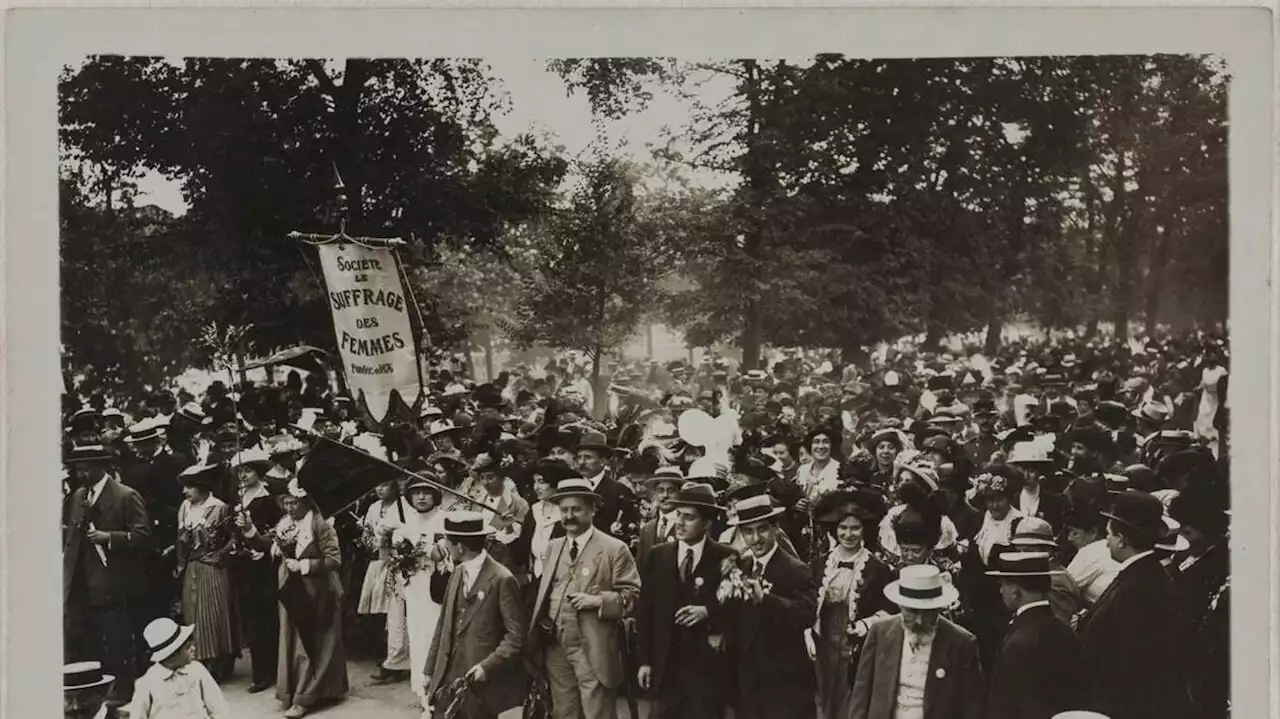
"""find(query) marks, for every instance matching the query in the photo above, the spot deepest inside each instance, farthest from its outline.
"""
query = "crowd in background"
(921, 534)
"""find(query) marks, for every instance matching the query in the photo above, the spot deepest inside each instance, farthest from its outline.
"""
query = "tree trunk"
(758, 177)
(486, 342)
(994, 326)
(600, 399)
(1161, 242)
(932, 338)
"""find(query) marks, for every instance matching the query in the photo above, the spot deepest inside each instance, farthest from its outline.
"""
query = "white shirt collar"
(1031, 605)
(472, 567)
(695, 548)
(764, 561)
(256, 492)
(581, 539)
(1133, 559)
(596, 480)
(96, 490)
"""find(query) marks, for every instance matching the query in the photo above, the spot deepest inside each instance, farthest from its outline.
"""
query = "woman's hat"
(553, 471)
(444, 428)
(833, 507)
(752, 510)
(1033, 532)
(666, 474)
(84, 675)
(925, 473)
(419, 482)
(164, 636)
(1079, 714)
(1152, 412)
(887, 435)
(695, 494)
(201, 475)
(1138, 510)
(252, 456)
(461, 523)
(1022, 564)
(575, 487)
(1029, 453)
(1171, 540)
(920, 586)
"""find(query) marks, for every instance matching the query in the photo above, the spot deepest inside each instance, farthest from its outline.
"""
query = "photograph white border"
(39, 42)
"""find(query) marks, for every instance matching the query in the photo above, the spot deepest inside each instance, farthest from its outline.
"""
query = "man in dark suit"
(665, 484)
(1038, 672)
(103, 567)
(154, 475)
(1133, 636)
(481, 629)
(680, 624)
(918, 664)
(618, 504)
(773, 674)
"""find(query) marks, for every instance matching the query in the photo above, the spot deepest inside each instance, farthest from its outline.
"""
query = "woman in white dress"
(375, 596)
(420, 536)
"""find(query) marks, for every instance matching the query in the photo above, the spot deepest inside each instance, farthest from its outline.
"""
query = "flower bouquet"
(410, 557)
(737, 586)
(285, 536)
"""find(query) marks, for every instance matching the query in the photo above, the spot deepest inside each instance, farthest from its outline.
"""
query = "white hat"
(892, 379)
(430, 410)
(920, 586)
(1028, 452)
(753, 509)
(460, 523)
(454, 389)
(84, 675)
(1173, 540)
(443, 427)
(253, 455)
(165, 636)
(1079, 714)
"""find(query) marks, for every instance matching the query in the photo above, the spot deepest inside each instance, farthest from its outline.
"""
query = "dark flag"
(337, 475)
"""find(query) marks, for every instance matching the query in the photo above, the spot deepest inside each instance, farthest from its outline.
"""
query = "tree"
(255, 143)
(597, 270)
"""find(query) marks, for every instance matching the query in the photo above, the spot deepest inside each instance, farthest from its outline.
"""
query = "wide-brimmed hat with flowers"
(920, 586)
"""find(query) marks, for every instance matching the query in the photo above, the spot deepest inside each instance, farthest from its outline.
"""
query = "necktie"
(662, 527)
(757, 571)
(686, 565)
(573, 550)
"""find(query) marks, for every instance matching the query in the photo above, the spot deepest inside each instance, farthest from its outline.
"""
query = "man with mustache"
(588, 586)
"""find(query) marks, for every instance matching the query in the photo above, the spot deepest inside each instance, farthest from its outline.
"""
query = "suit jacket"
(606, 568)
(617, 502)
(1052, 508)
(766, 642)
(485, 626)
(156, 479)
(1039, 671)
(664, 593)
(1132, 639)
(120, 512)
(649, 539)
(953, 690)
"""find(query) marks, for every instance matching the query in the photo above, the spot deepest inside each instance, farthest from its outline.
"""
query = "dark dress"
(837, 649)
(256, 575)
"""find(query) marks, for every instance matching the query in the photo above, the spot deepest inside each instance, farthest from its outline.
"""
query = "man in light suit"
(481, 630)
(105, 535)
(773, 673)
(918, 665)
(588, 586)
(664, 484)
(680, 622)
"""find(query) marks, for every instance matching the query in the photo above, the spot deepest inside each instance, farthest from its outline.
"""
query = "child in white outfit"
(176, 686)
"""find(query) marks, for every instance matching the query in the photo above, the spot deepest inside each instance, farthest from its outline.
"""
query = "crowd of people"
(921, 535)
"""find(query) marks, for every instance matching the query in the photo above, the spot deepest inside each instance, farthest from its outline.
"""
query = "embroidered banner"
(371, 321)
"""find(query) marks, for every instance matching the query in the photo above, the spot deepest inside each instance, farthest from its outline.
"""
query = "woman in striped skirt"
(205, 540)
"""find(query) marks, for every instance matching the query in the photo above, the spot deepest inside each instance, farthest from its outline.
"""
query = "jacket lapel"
(933, 683)
(479, 587)
(554, 552)
(889, 667)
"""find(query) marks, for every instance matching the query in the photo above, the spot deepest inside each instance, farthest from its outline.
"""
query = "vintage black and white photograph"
(564, 387)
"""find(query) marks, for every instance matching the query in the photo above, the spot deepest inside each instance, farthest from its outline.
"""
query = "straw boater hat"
(1022, 564)
(920, 586)
(164, 636)
(82, 676)
(754, 509)
(575, 487)
(1032, 533)
(1171, 540)
(444, 428)
(461, 523)
(666, 474)
(143, 431)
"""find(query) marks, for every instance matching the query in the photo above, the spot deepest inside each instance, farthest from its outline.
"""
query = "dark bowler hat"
(1022, 564)
(1138, 510)
(466, 524)
(696, 494)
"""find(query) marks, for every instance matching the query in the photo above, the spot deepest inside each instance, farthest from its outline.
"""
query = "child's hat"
(165, 636)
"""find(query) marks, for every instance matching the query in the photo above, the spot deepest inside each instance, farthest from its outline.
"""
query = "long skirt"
(305, 680)
(422, 615)
(374, 596)
(835, 661)
(207, 604)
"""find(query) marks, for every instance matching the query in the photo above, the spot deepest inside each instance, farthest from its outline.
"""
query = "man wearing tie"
(617, 504)
(589, 584)
(103, 574)
(679, 620)
(481, 630)
(774, 674)
(664, 484)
